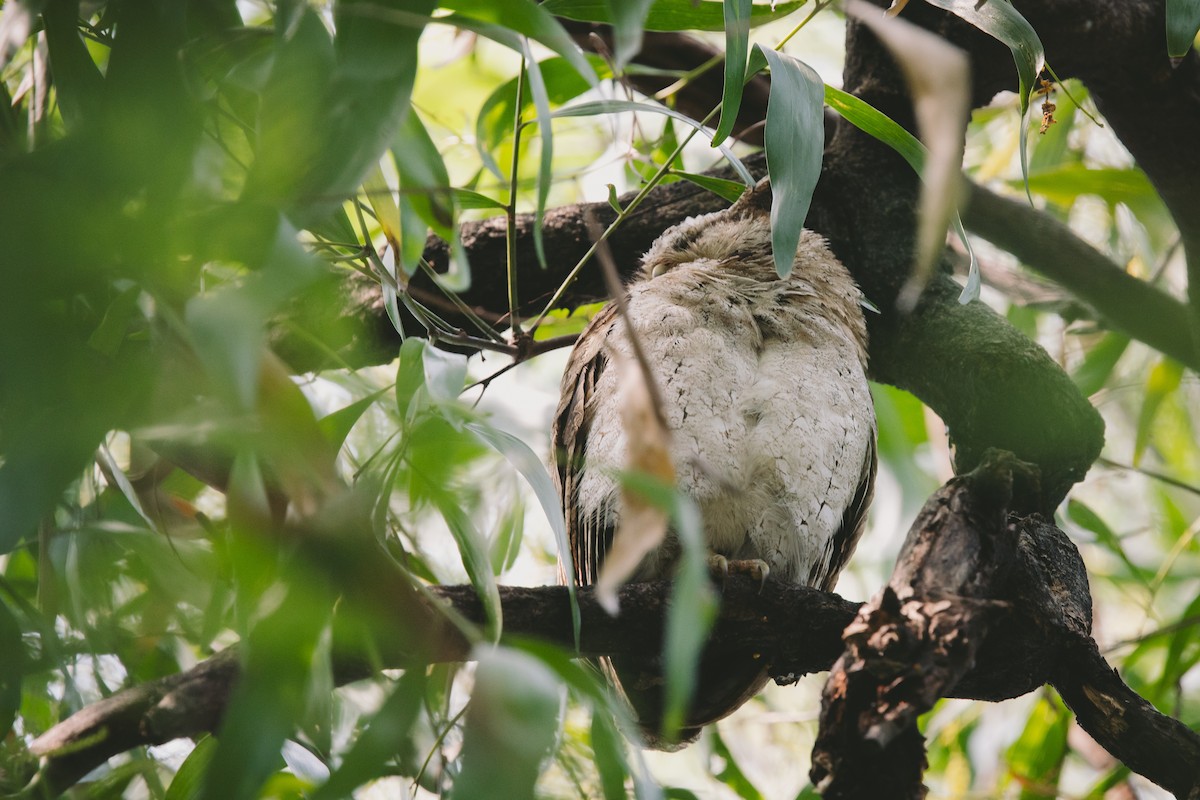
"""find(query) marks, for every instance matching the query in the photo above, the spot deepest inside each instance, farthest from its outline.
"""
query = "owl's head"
(723, 238)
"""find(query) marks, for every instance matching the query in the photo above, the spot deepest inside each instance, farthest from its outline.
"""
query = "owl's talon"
(723, 567)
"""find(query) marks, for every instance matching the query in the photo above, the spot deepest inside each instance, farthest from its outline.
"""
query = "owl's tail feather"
(725, 680)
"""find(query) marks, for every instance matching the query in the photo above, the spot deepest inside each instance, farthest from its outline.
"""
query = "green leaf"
(189, 779)
(77, 80)
(290, 110)
(1182, 653)
(671, 15)
(467, 199)
(1163, 381)
(592, 108)
(506, 544)
(410, 375)
(737, 49)
(268, 700)
(1093, 372)
(629, 20)
(511, 724)
(1004, 23)
(527, 19)
(227, 325)
(690, 615)
(534, 471)
(1038, 754)
(731, 774)
(111, 331)
(495, 121)
(541, 102)
(424, 181)
(795, 144)
(1183, 22)
(445, 373)
(730, 190)
(12, 668)
(872, 121)
(386, 734)
(608, 749)
(336, 425)
(369, 92)
(1086, 518)
(474, 552)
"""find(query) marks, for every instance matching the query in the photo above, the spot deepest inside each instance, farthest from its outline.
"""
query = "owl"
(763, 386)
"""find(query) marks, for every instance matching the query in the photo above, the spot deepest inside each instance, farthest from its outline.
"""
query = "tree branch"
(796, 629)
(1125, 303)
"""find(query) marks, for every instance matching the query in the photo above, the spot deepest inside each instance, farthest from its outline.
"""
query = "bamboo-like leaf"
(671, 15)
(737, 50)
(628, 22)
(1092, 374)
(535, 473)
(424, 182)
(495, 121)
(871, 120)
(386, 734)
(77, 79)
(1000, 20)
(937, 76)
(1036, 758)
(690, 616)
(1183, 22)
(795, 145)
(1163, 381)
(594, 107)
(189, 778)
(465, 198)
(511, 724)
(541, 102)
(730, 190)
(12, 668)
(527, 19)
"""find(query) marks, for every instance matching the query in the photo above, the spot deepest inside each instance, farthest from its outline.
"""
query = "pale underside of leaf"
(938, 77)
(795, 144)
(643, 524)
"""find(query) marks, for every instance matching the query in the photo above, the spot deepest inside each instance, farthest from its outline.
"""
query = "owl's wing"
(854, 519)
(589, 535)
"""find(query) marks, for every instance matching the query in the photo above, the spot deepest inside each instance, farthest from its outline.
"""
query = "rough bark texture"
(798, 631)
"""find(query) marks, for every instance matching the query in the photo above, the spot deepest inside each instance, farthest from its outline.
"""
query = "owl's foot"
(722, 568)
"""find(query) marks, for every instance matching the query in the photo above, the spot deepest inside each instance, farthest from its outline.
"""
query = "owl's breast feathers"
(764, 388)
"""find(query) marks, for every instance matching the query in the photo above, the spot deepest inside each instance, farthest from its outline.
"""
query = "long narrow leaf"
(594, 107)
(534, 471)
(936, 74)
(690, 616)
(874, 122)
(795, 144)
(1183, 22)
(528, 19)
(541, 102)
(737, 48)
(628, 22)
(1003, 22)
(671, 15)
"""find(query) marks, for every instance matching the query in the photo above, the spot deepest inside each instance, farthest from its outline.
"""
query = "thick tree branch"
(798, 631)
(1125, 303)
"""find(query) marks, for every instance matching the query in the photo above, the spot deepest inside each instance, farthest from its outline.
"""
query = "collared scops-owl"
(772, 429)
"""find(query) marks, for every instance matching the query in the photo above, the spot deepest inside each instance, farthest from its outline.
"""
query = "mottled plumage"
(773, 432)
